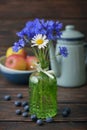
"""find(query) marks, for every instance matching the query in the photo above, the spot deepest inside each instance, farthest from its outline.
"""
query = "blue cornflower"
(49, 28)
(22, 33)
(53, 29)
(21, 42)
(63, 51)
(18, 45)
(32, 28)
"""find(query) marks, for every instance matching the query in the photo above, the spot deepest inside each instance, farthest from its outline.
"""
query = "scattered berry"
(66, 111)
(26, 108)
(33, 117)
(17, 103)
(7, 97)
(20, 95)
(24, 103)
(25, 114)
(39, 122)
(49, 119)
(18, 112)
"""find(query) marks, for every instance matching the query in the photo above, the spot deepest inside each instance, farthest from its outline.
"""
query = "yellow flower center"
(39, 41)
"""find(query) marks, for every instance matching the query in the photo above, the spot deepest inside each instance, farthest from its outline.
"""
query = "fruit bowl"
(14, 76)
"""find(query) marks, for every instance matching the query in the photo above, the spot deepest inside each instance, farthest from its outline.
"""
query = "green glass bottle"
(42, 95)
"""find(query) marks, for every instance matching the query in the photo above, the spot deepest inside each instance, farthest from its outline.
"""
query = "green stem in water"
(41, 95)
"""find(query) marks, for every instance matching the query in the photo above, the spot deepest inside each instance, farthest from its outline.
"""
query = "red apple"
(16, 62)
(31, 60)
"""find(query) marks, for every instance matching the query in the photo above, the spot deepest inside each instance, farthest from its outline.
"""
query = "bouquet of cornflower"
(43, 86)
(38, 33)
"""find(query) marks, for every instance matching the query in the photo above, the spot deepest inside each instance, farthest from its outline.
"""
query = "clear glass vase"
(42, 95)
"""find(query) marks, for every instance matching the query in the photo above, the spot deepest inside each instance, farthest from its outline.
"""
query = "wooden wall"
(14, 14)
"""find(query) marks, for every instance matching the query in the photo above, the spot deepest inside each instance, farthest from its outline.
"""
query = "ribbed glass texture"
(42, 95)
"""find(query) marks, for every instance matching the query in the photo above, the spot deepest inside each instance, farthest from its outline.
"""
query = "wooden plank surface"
(15, 13)
(78, 112)
(47, 126)
(43, 8)
(74, 98)
(77, 120)
(65, 95)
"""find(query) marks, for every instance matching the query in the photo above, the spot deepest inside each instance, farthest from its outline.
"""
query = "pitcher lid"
(71, 34)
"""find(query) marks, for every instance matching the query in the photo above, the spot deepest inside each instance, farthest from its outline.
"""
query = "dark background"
(15, 13)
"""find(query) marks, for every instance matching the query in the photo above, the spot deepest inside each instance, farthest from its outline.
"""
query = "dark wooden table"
(75, 98)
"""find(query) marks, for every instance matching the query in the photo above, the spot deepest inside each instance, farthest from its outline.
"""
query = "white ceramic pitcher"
(71, 70)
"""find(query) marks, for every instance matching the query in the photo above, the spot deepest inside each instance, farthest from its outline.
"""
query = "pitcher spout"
(55, 66)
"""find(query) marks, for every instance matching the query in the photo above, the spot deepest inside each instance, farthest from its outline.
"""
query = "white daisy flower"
(40, 41)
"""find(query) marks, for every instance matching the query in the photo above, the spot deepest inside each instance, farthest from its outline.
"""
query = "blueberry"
(66, 111)
(49, 119)
(17, 103)
(25, 114)
(39, 122)
(20, 95)
(24, 103)
(7, 97)
(26, 108)
(33, 117)
(18, 112)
